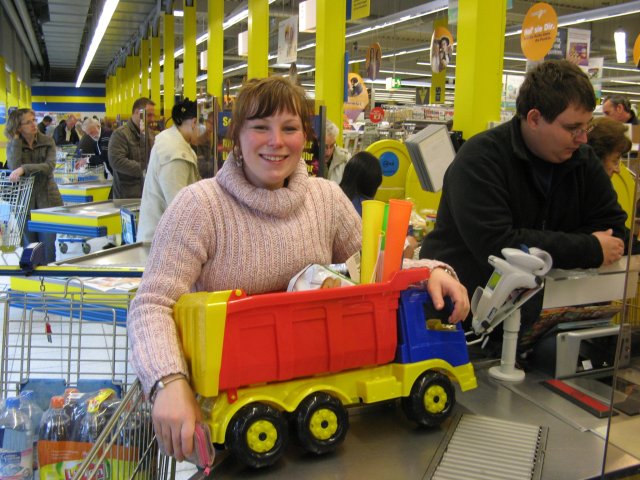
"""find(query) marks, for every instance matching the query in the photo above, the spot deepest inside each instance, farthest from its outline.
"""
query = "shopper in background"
(42, 126)
(531, 182)
(619, 108)
(335, 157)
(204, 149)
(609, 140)
(65, 133)
(30, 152)
(128, 154)
(172, 166)
(248, 227)
(95, 142)
(361, 179)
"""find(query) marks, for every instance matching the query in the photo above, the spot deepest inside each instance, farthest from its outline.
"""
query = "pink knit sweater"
(224, 233)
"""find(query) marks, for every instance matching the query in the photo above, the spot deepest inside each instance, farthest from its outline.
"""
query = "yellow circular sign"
(636, 52)
(539, 30)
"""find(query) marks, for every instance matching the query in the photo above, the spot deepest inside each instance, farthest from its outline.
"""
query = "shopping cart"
(14, 207)
(69, 333)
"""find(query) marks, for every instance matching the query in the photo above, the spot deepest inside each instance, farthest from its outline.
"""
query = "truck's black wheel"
(257, 435)
(63, 247)
(320, 423)
(431, 399)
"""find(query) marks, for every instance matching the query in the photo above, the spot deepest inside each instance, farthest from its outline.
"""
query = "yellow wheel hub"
(323, 424)
(262, 436)
(435, 399)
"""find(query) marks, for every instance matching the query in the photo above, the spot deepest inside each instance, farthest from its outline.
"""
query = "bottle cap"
(13, 402)
(57, 402)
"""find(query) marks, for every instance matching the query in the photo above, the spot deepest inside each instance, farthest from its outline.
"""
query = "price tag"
(376, 115)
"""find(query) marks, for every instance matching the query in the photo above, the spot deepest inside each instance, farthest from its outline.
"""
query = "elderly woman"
(609, 139)
(31, 153)
(246, 228)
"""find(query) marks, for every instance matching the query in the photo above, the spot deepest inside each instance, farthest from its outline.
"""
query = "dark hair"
(362, 175)
(619, 100)
(184, 110)
(47, 118)
(142, 102)
(261, 98)
(609, 136)
(551, 87)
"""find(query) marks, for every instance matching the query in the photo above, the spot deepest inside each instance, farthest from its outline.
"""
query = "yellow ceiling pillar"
(215, 49)
(3, 107)
(258, 64)
(190, 67)
(135, 77)
(144, 67)
(14, 95)
(127, 102)
(330, 50)
(169, 64)
(155, 69)
(120, 92)
(479, 64)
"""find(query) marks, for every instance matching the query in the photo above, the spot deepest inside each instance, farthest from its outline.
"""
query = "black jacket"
(492, 198)
(99, 150)
(60, 135)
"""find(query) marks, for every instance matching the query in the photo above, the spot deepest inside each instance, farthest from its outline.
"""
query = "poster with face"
(357, 96)
(441, 49)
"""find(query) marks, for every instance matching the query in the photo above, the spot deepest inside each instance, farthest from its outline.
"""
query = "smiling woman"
(253, 226)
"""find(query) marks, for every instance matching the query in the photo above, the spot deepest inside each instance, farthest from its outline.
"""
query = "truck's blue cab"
(416, 342)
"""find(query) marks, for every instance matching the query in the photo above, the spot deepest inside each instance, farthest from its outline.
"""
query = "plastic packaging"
(203, 452)
(16, 441)
(56, 424)
(33, 411)
(99, 409)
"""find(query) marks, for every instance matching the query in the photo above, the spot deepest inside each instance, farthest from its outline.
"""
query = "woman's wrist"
(162, 384)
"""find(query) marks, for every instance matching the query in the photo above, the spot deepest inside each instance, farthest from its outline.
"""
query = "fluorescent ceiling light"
(620, 39)
(178, 13)
(105, 17)
(238, 17)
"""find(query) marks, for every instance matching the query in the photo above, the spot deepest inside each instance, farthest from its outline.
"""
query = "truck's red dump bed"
(280, 336)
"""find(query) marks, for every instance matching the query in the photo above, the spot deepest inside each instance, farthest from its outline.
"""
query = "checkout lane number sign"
(390, 163)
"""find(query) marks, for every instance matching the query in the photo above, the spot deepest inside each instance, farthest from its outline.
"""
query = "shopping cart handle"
(32, 257)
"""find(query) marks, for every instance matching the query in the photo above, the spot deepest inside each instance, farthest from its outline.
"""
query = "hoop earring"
(238, 158)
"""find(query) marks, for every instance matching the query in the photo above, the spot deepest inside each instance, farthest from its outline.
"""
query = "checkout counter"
(572, 444)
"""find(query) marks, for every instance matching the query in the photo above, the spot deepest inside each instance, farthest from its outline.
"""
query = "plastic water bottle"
(32, 410)
(56, 424)
(16, 442)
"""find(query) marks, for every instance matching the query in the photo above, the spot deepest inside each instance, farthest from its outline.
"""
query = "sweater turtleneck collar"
(279, 203)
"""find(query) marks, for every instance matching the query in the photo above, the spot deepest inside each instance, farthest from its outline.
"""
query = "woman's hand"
(16, 174)
(175, 412)
(442, 284)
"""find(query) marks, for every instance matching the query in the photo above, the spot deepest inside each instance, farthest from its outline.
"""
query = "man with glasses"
(531, 182)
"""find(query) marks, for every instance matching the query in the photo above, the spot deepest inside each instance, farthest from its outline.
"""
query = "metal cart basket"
(71, 333)
(14, 207)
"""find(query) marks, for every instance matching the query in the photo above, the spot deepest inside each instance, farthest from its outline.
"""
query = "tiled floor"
(78, 349)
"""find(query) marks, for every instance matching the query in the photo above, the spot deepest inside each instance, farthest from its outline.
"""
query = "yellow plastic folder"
(372, 215)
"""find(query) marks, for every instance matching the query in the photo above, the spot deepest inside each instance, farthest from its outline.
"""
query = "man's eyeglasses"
(28, 122)
(576, 132)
